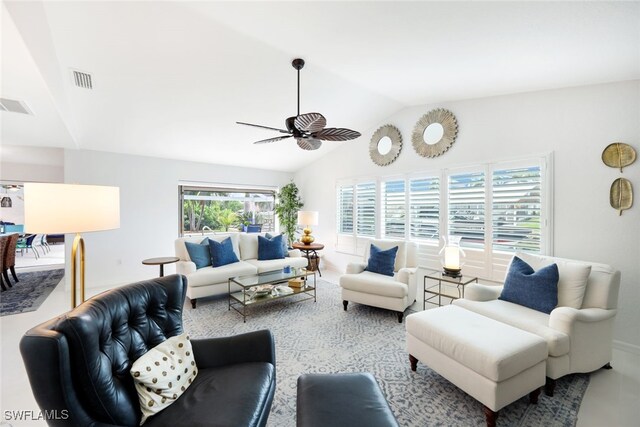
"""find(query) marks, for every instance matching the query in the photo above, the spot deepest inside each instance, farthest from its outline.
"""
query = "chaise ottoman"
(494, 363)
(342, 400)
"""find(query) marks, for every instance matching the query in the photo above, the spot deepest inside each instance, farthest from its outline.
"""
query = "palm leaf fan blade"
(336, 134)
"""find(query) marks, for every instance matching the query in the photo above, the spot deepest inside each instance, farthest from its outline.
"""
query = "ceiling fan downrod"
(298, 64)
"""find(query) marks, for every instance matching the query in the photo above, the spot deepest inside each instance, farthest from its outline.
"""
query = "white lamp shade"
(70, 208)
(308, 217)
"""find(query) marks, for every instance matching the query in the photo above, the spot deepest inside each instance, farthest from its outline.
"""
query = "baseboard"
(625, 346)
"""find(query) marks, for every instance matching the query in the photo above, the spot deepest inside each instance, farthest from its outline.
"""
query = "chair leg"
(607, 366)
(414, 362)
(490, 416)
(549, 387)
(345, 304)
(400, 316)
(4, 288)
(5, 276)
(533, 396)
(13, 273)
(194, 301)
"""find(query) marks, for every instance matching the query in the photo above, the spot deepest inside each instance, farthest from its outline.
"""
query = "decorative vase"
(452, 256)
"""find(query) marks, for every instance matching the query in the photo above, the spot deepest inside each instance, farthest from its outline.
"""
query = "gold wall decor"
(618, 155)
(434, 133)
(385, 145)
(621, 195)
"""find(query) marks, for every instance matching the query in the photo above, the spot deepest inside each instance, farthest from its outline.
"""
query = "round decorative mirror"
(434, 133)
(385, 145)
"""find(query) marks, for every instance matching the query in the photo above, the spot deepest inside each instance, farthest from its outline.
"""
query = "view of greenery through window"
(205, 210)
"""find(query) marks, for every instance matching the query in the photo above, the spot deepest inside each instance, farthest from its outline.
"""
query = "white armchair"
(392, 293)
(578, 339)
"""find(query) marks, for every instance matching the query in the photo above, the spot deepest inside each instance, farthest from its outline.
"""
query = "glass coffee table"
(262, 287)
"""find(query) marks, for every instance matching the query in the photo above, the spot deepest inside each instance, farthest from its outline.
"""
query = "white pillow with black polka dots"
(163, 374)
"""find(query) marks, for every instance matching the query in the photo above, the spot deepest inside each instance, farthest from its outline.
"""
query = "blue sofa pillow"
(285, 244)
(199, 253)
(382, 262)
(537, 290)
(222, 252)
(270, 248)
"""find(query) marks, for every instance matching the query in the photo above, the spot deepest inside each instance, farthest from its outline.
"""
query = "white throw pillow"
(573, 277)
(163, 373)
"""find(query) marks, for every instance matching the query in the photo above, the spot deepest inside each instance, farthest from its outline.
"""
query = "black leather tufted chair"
(78, 364)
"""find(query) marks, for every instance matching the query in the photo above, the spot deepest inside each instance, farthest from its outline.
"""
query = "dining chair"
(4, 243)
(10, 257)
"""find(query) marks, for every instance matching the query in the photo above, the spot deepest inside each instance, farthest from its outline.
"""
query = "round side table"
(161, 261)
(310, 252)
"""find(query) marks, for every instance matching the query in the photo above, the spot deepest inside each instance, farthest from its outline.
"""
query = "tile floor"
(612, 399)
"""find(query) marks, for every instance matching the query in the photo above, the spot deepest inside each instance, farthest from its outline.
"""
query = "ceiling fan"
(308, 129)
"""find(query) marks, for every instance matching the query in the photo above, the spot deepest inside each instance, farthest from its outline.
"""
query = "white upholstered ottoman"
(493, 362)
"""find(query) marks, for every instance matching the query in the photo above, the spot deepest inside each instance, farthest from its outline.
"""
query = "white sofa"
(392, 293)
(210, 281)
(579, 338)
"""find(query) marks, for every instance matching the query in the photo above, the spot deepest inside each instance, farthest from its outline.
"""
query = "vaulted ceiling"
(172, 78)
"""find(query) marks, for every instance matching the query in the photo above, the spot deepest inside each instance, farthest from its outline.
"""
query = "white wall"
(149, 209)
(576, 124)
(22, 172)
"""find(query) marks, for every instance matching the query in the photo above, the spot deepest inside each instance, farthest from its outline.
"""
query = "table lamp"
(307, 219)
(70, 208)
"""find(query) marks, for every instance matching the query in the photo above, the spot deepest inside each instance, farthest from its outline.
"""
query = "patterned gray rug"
(322, 338)
(30, 292)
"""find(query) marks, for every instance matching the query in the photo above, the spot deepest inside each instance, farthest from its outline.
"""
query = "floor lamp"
(70, 208)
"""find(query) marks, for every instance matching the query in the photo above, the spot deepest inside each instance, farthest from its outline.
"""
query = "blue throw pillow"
(199, 253)
(382, 262)
(270, 248)
(285, 245)
(537, 290)
(222, 252)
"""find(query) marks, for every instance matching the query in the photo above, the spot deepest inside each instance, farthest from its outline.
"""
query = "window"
(424, 208)
(466, 200)
(205, 209)
(366, 209)
(345, 209)
(393, 208)
(516, 209)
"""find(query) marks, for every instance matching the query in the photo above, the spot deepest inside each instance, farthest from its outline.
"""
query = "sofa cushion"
(521, 317)
(270, 248)
(277, 264)
(382, 261)
(232, 395)
(199, 253)
(572, 280)
(222, 252)
(248, 246)
(211, 276)
(163, 373)
(534, 289)
(373, 283)
(285, 242)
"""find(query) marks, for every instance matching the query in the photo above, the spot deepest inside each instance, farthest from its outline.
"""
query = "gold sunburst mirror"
(385, 145)
(434, 133)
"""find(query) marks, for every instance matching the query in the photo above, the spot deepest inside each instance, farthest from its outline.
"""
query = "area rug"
(322, 338)
(30, 292)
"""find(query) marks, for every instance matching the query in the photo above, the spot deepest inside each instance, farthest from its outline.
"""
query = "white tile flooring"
(612, 399)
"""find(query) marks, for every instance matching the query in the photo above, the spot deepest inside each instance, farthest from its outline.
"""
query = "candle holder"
(452, 256)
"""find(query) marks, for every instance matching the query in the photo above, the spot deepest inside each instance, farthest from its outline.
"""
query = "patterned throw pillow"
(382, 262)
(163, 373)
(537, 290)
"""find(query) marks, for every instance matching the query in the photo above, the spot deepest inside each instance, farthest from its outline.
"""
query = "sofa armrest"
(255, 346)
(564, 318)
(408, 275)
(185, 267)
(295, 253)
(356, 267)
(479, 292)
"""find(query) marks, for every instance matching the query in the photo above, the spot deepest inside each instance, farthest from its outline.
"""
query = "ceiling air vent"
(82, 79)
(14, 106)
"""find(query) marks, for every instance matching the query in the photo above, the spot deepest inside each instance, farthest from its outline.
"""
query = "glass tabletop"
(463, 279)
(270, 277)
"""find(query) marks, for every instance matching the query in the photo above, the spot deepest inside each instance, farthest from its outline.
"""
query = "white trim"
(227, 185)
(625, 346)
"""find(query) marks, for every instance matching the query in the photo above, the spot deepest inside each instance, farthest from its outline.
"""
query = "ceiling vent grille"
(83, 80)
(14, 106)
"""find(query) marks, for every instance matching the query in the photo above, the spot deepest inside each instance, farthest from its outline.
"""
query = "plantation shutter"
(345, 209)
(466, 214)
(424, 208)
(366, 209)
(393, 208)
(516, 212)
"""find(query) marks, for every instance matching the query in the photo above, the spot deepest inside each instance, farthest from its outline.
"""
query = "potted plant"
(288, 204)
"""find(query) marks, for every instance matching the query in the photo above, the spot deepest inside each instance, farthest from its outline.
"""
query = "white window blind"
(366, 209)
(424, 208)
(516, 209)
(467, 208)
(393, 208)
(345, 209)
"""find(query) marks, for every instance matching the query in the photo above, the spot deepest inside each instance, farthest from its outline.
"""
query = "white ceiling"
(171, 78)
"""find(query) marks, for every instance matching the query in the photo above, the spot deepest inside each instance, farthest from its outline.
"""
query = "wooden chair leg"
(491, 417)
(607, 366)
(5, 276)
(400, 316)
(13, 273)
(549, 387)
(4, 288)
(533, 396)
(345, 304)
(194, 301)
(414, 363)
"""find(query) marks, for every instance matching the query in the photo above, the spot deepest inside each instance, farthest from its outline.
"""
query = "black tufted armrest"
(255, 346)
